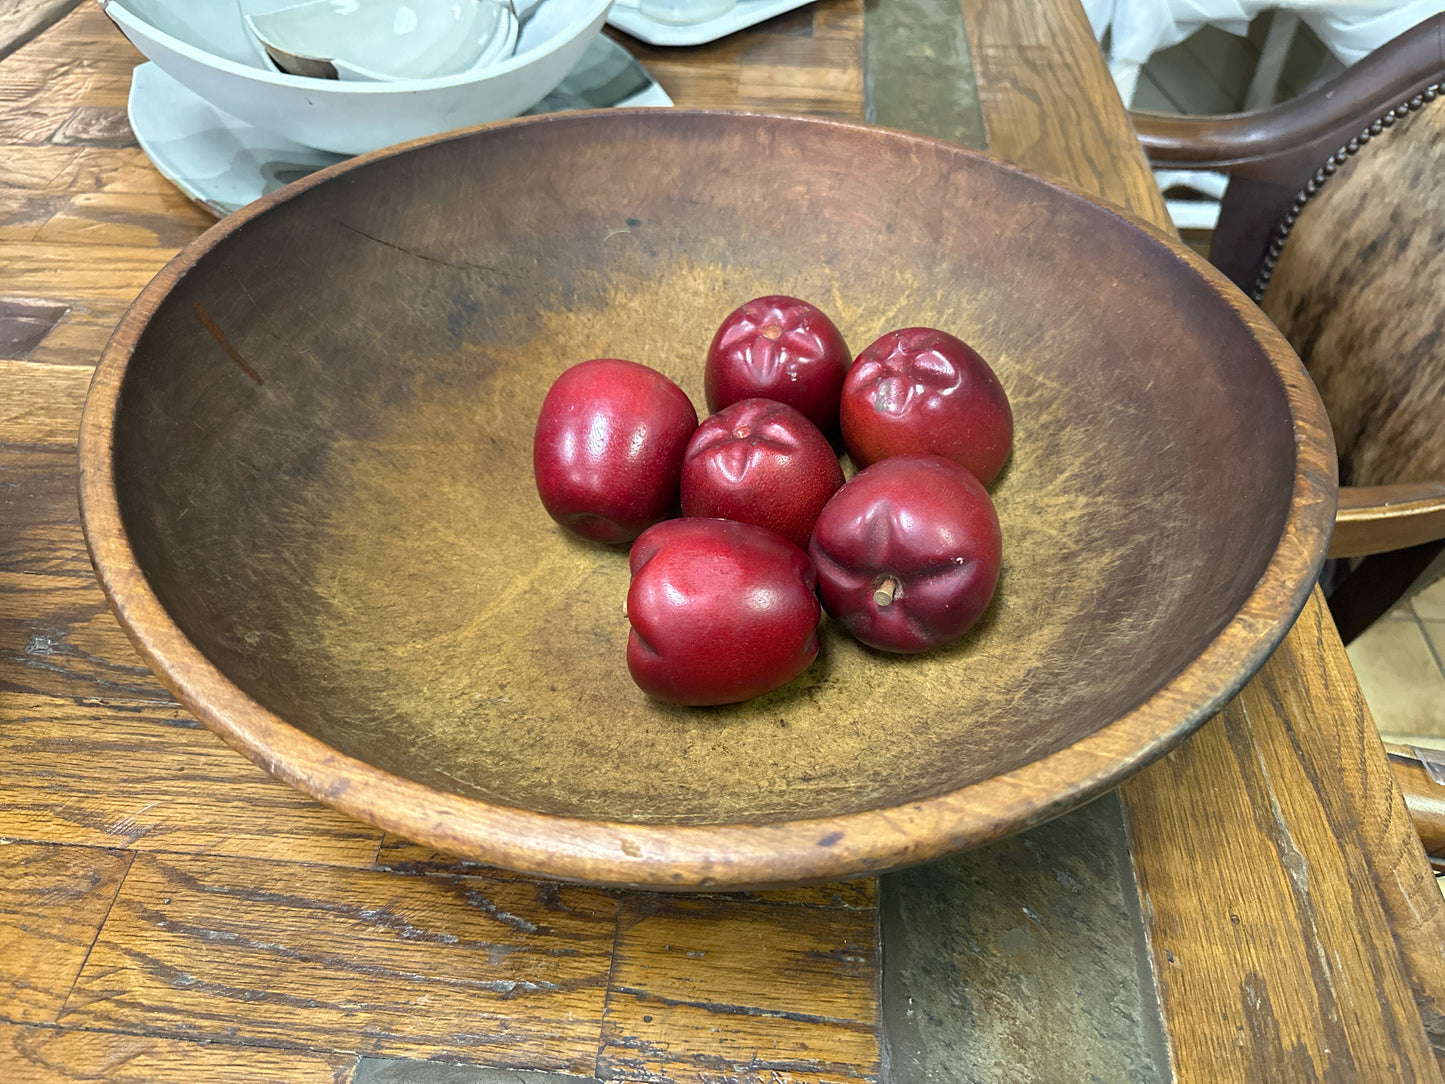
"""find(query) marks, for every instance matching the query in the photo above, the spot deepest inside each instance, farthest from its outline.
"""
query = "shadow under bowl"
(306, 485)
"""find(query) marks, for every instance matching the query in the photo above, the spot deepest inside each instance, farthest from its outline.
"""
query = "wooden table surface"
(169, 912)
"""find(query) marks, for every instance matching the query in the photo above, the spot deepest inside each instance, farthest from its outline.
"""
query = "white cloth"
(1140, 28)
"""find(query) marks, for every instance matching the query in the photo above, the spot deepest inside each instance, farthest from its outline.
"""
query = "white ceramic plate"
(747, 13)
(223, 163)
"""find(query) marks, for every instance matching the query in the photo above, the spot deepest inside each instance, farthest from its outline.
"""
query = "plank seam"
(119, 884)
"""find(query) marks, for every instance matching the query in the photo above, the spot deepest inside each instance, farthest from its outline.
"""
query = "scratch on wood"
(731, 1009)
(413, 253)
(225, 343)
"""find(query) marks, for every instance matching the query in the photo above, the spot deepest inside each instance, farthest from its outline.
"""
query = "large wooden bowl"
(306, 486)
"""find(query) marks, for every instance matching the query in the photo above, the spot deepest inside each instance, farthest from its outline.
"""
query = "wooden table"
(168, 912)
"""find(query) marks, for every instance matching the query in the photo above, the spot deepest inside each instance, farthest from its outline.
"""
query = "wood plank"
(39, 92)
(1049, 104)
(54, 170)
(61, 641)
(158, 220)
(86, 27)
(23, 20)
(705, 990)
(84, 272)
(41, 533)
(1292, 833)
(53, 901)
(147, 777)
(47, 1055)
(23, 213)
(80, 335)
(87, 30)
(304, 957)
(1277, 934)
(41, 404)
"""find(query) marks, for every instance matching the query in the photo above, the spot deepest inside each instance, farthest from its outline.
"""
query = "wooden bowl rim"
(718, 856)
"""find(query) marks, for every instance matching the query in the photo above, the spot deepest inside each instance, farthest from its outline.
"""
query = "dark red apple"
(607, 454)
(922, 390)
(780, 348)
(908, 553)
(760, 462)
(721, 611)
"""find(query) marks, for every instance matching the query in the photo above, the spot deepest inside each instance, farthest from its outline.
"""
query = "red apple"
(922, 390)
(721, 612)
(780, 348)
(760, 462)
(607, 454)
(908, 553)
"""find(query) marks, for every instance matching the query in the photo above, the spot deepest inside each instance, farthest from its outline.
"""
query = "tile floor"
(1400, 662)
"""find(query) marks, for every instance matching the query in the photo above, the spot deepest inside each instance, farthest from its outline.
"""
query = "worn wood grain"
(23, 20)
(40, 535)
(684, 1003)
(153, 780)
(1382, 917)
(53, 901)
(59, 639)
(41, 404)
(1310, 968)
(83, 28)
(402, 856)
(1049, 103)
(22, 214)
(80, 335)
(90, 272)
(48, 1055)
(76, 171)
(493, 972)
(164, 220)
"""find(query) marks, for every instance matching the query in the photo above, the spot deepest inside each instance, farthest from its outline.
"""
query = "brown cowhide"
(1360, 291)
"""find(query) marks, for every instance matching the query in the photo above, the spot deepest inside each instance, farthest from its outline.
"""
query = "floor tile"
(1430, 603)
(1401, 678)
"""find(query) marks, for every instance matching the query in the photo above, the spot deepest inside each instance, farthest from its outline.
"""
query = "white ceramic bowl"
(206, 47)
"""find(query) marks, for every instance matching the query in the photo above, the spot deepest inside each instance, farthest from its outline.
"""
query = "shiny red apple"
(781, 348)
(908, 553)
(721, 611)
(607, 453)
(922, 390)
(760, 462)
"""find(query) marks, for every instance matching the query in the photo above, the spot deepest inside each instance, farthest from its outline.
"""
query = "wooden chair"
(1334, 221)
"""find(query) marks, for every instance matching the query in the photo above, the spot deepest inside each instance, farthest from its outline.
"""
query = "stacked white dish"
(209, 49)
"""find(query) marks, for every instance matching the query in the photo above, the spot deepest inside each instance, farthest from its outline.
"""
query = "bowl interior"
(322, 458)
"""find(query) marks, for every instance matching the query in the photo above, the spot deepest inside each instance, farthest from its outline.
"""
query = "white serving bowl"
(207, 48)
